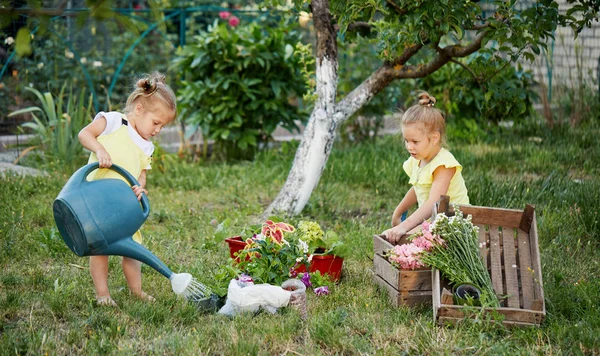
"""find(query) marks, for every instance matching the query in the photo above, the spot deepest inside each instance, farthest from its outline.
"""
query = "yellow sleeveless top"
(124, 152)
(422, 178)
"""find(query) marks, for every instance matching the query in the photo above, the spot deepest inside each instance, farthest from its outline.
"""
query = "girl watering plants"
(433, 171)
(124, 139)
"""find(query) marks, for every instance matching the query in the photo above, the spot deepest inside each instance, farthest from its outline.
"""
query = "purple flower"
(293, 272)
(306, 280)
(244, 278)
(323, 290)
(224, 15)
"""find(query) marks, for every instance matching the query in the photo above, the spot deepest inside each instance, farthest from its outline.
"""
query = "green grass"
(46, 293)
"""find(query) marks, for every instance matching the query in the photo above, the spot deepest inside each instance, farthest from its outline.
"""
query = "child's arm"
(439, 187)
(139, 189)
(88, 138)
(410, 199)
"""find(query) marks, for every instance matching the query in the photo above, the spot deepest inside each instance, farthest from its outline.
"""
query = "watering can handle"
(130, 179)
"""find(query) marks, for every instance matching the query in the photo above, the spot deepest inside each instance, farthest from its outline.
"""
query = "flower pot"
(327, 264)
(466, 294)
(235, 244)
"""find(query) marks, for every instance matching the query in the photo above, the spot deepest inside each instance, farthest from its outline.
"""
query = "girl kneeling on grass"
(432, 169)
(124, 139)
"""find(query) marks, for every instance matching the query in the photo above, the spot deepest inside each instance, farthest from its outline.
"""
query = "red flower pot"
(235, 244)
(326, 264)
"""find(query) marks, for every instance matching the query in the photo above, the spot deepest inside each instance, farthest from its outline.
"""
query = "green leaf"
(23, 42)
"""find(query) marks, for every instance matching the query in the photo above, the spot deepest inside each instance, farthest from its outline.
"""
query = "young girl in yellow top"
(124, 139)
(433, 171)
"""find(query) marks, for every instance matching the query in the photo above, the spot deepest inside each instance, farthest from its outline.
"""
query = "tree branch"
(401, 11)
(466, 67)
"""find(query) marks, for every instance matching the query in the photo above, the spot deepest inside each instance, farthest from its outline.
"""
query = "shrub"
(56, 125)
(239, 85)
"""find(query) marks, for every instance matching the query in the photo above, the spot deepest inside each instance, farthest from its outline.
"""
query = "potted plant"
(309, 246)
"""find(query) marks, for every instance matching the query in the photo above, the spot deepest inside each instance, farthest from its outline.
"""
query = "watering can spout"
(129, 248)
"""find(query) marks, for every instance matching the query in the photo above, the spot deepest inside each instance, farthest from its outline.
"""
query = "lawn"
(47, 298)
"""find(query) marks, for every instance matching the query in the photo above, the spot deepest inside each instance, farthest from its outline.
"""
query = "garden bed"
(508, 243)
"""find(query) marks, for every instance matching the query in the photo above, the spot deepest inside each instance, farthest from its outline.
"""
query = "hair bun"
(426, 100)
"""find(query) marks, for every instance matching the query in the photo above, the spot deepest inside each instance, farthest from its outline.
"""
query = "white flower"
(83, 60)
(97, 64)
(9, 40)
(310, 258)
(303, 246)
(299, 259)
(259, 237)
(69, 54)
(40, 65)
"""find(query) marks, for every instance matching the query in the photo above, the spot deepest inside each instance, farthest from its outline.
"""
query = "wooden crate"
(404, 287)
(509, 247)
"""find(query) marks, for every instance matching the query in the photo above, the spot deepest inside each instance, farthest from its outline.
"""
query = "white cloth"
(254, 297)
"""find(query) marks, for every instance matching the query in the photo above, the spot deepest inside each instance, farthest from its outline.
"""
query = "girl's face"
(420, 145)
(149, 122)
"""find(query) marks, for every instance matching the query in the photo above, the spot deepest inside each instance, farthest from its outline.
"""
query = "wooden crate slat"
(495, 260)
(380, 244)
(525, 269)
(391, 291)
(510, 314)
(510, 267)
(493, 216)
(483, 243)
(409, 298)
(442, 320)
(535, 260)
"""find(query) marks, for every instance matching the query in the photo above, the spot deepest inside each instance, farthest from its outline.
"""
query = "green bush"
(240, 84)
(56, 125)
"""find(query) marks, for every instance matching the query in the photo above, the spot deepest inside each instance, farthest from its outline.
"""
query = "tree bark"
(319, 134)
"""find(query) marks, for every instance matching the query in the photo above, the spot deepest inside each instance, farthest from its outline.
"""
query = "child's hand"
(103, 158)
(138, 191)
(394, 234)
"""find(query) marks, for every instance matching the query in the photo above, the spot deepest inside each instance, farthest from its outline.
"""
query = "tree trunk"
(320, 133)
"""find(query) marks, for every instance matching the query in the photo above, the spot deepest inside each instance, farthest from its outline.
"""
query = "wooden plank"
(525, 269)
(380, 244)
(447, 297)
(390, 291)
(454, 321)
(408, 298)
(384, 269)
(495, 260)
(527, 218)
(402, 280)
(493, 216)
(510, 314)
(483, 244)
(537, 265)
(510, 267)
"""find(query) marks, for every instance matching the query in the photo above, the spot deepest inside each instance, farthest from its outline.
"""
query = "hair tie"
(153, 91)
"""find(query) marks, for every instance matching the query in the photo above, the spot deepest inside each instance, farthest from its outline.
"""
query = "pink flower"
(224, 14)
(406, 256)
(234, 21)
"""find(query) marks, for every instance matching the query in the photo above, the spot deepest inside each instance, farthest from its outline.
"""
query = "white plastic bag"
(253, 297)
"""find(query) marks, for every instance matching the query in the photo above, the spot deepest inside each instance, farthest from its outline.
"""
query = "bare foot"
(146, 297)
(106, 301)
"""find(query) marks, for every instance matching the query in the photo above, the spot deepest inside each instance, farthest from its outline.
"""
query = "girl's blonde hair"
(425, 113)
(150, 89)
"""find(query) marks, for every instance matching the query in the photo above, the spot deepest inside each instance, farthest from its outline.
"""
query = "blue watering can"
(100, 217)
